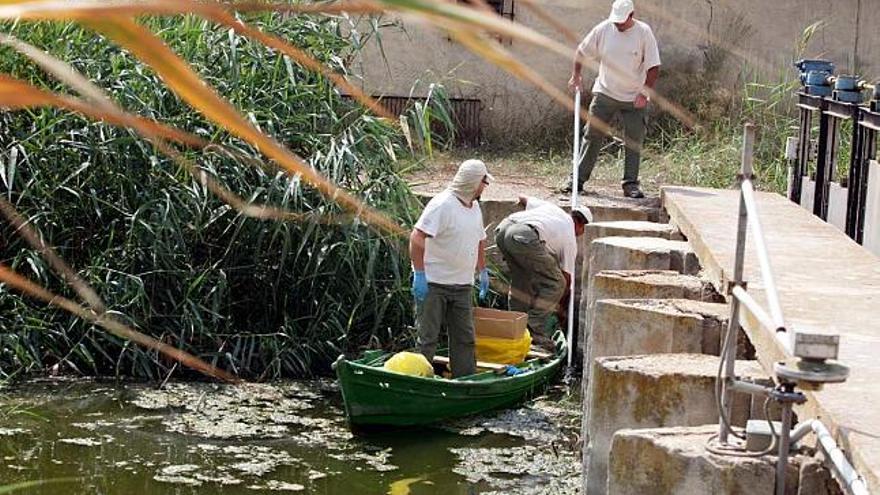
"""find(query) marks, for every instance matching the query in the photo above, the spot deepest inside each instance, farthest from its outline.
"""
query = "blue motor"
(815, 76)
(847, 88)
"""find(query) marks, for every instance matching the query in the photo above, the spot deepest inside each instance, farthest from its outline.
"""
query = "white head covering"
(620, 11)
(467, 179)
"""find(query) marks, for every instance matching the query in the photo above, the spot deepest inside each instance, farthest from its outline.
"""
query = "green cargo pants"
(536, 281)
(449, 307)
(604, 108)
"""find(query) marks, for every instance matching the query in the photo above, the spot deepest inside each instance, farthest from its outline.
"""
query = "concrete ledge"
(824, 280)
(650, 392)
(629, 253)
(598, 230)
(673, 461)
(627, 327)
(642, 253)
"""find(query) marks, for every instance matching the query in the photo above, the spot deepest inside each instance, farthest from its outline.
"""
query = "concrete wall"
(760, 35)
(872, 210)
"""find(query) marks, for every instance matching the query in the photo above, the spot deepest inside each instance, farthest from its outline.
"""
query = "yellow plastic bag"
(410, 363)
(503, 351)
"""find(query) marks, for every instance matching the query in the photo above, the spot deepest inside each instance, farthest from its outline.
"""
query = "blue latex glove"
(484, 283)
(512, 370)
(419, 286)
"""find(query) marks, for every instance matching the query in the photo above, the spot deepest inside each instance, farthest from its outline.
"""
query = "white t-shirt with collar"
(455, 233)
(555, 227)
(624, 58)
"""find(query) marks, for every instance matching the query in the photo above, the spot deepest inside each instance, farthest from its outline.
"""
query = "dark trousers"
(536, 281)
(449, 307)
(604, 108)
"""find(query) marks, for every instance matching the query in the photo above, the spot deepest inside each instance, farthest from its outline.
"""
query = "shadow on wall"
(710, 88)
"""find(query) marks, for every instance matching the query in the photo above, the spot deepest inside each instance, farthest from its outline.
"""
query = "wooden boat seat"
(480, 364)
(533, 354)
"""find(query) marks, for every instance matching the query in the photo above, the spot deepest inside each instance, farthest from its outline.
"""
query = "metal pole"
(855, 171)
(803, 155)
(784, 446)
(757, 311)
(575, 154)
(729, 356)
(869, 147)
(748, 195)
(820, 197)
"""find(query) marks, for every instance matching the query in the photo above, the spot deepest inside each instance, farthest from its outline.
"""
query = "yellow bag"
(503, 351)
(410, 363)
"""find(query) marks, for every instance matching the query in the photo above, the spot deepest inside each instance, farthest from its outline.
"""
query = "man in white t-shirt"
(539, 246)
(629, 65)
(447, 246)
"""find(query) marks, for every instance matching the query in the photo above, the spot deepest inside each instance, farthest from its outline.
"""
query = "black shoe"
(632, 191)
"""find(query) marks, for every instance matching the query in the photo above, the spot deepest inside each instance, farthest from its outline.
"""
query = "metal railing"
(808, 353)
(835, 100)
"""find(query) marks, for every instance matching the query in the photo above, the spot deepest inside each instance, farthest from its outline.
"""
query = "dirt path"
(514, 177)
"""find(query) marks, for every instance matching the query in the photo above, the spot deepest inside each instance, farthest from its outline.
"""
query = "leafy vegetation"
(259, 298)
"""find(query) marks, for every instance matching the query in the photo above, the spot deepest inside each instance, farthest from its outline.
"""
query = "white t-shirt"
(554, 226)
(455, 233)
(624, 58)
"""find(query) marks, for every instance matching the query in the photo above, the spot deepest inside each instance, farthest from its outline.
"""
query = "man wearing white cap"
(629, 65)
(447, 246)
(539, 246)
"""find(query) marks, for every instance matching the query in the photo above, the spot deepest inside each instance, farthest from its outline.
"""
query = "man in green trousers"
(539, 246)
(446, 247)
(629, 65)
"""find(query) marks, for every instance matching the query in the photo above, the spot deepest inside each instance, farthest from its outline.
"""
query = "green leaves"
(260, 298)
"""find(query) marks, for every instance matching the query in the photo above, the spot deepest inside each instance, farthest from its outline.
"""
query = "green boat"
(376, 396)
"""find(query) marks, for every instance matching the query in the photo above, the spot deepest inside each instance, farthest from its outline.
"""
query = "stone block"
(650, 392)
(630, 253)
(628, 327)
(598, 230)
(674, 461)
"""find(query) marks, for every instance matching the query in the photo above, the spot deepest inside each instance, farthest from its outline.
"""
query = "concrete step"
(627, 327)
(674, 461)
(628, 253)
(650, 392)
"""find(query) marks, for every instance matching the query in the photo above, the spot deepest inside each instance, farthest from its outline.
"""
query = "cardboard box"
(500, 324)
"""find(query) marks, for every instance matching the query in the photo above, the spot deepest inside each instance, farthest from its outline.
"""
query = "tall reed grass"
(259, 298)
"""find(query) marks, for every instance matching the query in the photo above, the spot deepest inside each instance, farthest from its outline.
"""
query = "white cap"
(620, 10)
(583, 212)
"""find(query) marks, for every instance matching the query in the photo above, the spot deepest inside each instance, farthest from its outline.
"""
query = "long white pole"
(576, 153)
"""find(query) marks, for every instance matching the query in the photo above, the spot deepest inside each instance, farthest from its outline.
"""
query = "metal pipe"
(575, 163)
(749, 388)
(784, 447)
(752, 305)
(728, 358)
(758, 312)
(748, 194)
(839, 463)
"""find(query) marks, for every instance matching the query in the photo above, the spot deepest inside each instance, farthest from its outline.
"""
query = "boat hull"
(375, 396)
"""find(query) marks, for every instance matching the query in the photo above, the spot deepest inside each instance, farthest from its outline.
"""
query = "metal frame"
(808, 105)
(864, 150)
(785, 393)
(866, 125)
